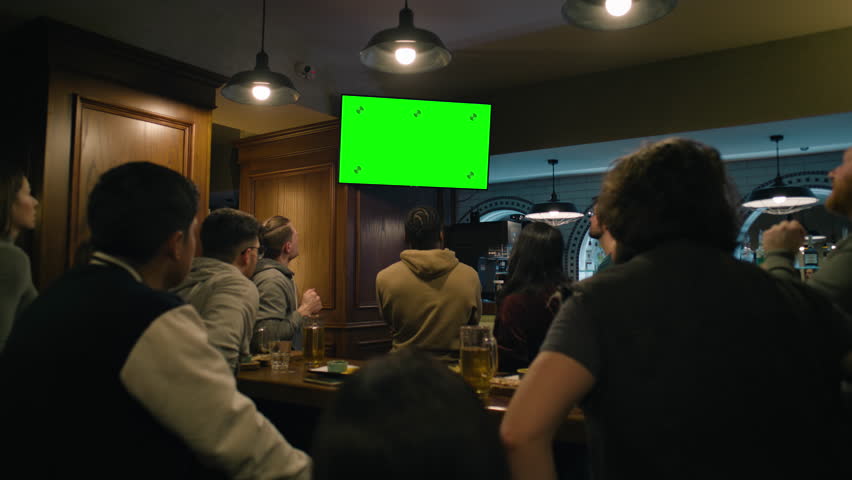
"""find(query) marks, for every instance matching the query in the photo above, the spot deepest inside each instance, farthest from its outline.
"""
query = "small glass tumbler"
(279, 356)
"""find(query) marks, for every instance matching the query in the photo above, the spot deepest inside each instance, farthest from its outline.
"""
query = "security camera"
(305, 71)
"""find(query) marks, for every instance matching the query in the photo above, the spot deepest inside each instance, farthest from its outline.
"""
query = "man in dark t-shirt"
(705, 367)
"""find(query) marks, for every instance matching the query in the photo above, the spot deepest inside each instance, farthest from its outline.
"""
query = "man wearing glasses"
(219, 284)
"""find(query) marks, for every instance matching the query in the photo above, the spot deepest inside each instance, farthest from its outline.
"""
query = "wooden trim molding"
(356, 278)
(271, 137)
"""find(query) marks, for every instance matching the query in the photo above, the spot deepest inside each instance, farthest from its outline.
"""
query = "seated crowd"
(686, 362)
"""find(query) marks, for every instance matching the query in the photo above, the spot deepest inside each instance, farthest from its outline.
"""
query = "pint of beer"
(478, 358)
(314, 341)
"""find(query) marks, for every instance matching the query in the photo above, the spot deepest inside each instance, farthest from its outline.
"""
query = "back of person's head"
(226, 232)
(668, 190)
(135, 207)
(423, 226)
(11, 181)
(536, 261)
(406, 415)
(274, 234)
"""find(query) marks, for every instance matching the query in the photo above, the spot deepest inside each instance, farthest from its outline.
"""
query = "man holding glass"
(110, 376)
(782, 241)
(703, 366)
(219, 285)
(281, 316)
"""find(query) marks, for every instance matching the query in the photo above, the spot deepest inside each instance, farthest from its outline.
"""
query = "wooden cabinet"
(87, 104)
(347, 233)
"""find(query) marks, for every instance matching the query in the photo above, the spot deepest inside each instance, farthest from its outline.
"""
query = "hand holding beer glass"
(478, 358)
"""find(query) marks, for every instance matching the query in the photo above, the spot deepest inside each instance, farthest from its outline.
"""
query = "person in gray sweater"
(280, 313)
(17, 213)
(218, 284)
(834, 278)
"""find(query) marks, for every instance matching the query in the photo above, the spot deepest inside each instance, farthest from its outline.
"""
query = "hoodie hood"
(203, 269)
(429, 264)
(269, 264)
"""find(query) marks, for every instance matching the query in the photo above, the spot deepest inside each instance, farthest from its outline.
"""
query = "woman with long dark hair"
(17, 213)
(523, 310)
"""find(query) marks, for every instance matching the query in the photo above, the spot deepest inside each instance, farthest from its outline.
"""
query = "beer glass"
(314, 343)
(478, 358)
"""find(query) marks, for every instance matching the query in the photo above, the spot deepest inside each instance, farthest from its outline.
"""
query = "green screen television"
(422, 143)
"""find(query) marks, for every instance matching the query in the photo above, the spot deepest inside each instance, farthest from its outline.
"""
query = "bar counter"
(262, 385)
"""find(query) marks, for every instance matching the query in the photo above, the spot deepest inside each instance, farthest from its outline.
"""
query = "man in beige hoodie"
(428, 294)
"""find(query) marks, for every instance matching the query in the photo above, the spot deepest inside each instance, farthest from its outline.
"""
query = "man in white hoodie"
(428, 294)
(219, 284)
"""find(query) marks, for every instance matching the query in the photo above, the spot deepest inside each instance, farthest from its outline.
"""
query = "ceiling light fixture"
(261, 86)
(780, 199)
(554, 212)
(615, 14)
(406, 48)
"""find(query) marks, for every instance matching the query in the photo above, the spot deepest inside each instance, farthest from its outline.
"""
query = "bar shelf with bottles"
(808, 259)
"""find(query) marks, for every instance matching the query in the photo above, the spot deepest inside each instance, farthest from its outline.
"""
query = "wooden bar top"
(291, 388)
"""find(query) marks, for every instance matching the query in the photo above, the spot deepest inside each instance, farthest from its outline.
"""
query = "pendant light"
(615, 14)
(261, 86)
(554, 212)
(780, 199)
(406, 48)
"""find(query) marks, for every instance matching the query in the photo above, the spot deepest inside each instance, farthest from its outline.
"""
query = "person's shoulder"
(267, 275)
(465, 269)
(154, 302)
(12, 255)
(233, 280)
(391, 270)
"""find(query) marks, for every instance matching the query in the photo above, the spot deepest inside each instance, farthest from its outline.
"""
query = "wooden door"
(306, 197)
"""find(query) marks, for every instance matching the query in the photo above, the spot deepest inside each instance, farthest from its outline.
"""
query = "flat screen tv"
(423, 143)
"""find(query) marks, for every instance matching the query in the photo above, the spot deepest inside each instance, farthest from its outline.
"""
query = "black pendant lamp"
(554, 212)
(406, 48)
(780, 199)
(261, 86)
(615, 14)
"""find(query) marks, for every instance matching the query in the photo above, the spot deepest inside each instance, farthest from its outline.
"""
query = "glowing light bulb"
(405, 55)
(618, 8)
(779, 199)
(261, 92)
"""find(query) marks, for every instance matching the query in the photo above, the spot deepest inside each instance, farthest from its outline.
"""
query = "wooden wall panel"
(138, 106)
(306, 197)
(84, 138)
(107, 135)
(348, 232)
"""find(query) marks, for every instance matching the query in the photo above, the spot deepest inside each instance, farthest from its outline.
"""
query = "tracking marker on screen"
(418, 113)
(473, 117)
(360, 109)
(469, 175)
(357, 169)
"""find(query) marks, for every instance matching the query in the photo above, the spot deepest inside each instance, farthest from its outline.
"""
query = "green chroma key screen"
(423, 143)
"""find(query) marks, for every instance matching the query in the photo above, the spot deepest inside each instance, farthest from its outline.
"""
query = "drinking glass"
(478, 358)
(264, 336)
(279, 355)
(314, 343)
